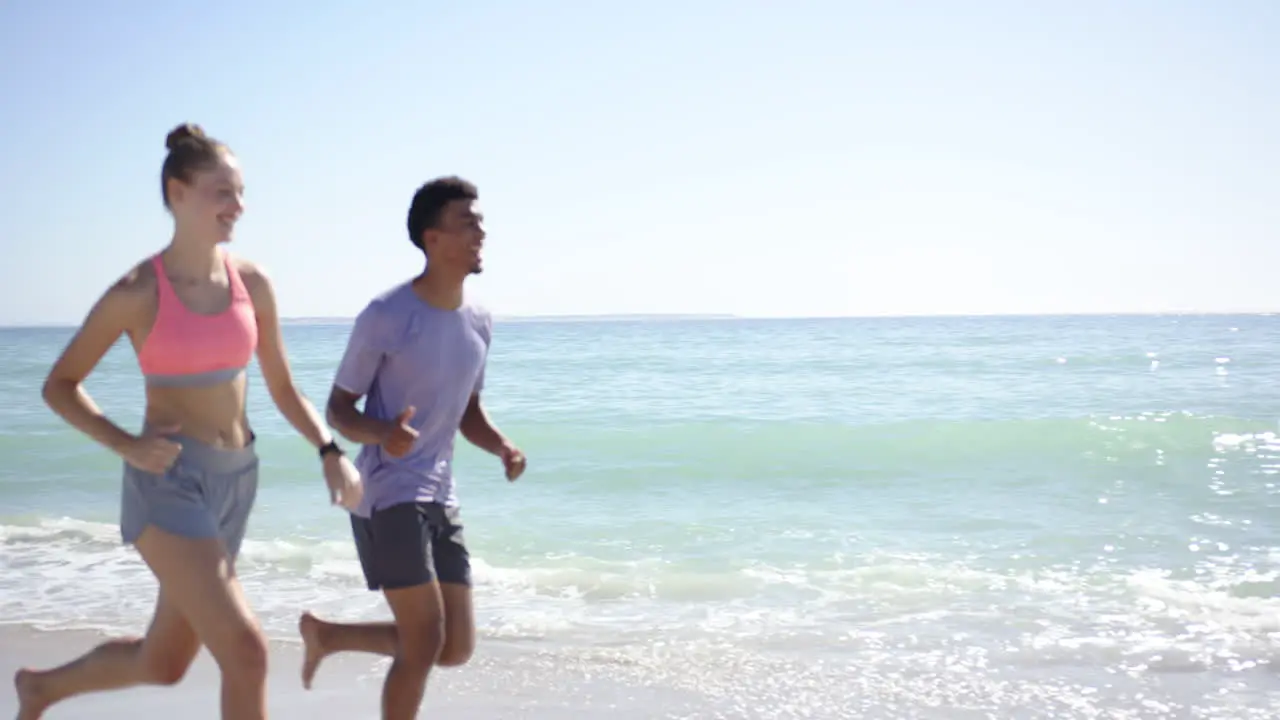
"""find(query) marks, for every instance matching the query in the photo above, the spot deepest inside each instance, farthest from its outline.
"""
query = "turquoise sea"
(1019, 517)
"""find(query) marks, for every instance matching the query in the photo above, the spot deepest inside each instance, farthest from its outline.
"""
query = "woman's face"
(212, 202)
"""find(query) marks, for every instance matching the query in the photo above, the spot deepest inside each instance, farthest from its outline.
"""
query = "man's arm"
(346, 418)
(479, 430)
(359, 368)
(476, 426)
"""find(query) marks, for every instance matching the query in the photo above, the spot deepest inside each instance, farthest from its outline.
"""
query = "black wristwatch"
(330, 447)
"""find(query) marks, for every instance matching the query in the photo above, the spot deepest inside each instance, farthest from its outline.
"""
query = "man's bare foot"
(31, 700)
(314, 651)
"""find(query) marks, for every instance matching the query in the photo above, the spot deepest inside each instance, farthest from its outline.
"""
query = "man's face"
(458, 237)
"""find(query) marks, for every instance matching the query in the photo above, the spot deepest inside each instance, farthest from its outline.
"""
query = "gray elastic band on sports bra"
(213, 377)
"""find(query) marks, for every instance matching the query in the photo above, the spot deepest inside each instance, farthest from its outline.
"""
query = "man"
(417, 353)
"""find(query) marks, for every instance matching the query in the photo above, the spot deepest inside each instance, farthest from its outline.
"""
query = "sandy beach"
(501, 682)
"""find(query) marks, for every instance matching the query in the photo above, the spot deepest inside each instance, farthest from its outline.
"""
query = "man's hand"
(345, 487)
(400, 435)
(513, 461)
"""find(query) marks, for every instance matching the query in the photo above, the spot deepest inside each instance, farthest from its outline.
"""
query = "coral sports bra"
(186, 348)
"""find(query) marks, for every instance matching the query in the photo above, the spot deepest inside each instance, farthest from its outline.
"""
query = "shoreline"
(502, 681)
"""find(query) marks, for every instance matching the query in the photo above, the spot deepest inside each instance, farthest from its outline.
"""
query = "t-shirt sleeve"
(485, 329)
(366, 350)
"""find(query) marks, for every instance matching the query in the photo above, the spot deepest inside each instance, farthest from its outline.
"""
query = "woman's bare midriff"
(214, 415)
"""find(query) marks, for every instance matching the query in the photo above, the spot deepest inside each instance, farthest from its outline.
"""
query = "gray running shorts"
(207, 492)
(411, 543)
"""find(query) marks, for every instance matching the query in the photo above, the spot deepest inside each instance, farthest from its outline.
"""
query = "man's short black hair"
(430, 199)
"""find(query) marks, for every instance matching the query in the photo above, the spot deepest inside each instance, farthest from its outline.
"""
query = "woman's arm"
(273, 359)
(63, 389)
(339, 474)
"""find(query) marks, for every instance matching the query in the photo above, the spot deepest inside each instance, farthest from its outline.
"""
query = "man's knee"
(454, 657)
(460, 627)
(419, 615)
(422, 646)
(457, 650)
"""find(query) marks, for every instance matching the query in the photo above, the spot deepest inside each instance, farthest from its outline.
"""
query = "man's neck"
(438, 289)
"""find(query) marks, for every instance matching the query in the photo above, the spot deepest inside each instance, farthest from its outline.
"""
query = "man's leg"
(419, 614)
(459, 625)
(453, 565)
(403, 539)
(453, 571)
(322, 639)
(415, 641)
(395, 549)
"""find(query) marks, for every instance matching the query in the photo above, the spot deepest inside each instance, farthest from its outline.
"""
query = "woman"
(195, 317)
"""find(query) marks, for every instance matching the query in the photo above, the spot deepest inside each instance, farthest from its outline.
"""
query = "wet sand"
(501, 682)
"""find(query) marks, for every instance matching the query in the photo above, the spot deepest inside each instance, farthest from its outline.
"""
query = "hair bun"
(183, 133)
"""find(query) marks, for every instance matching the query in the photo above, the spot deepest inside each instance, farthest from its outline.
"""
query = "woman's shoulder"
(243, 265)
(133, 294)
(138, 281)
(254, 277)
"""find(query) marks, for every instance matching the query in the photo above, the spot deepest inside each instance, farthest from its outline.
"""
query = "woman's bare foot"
(311, 629)
(32, 701)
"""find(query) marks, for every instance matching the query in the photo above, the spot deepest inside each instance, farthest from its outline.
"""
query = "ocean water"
(950, 518)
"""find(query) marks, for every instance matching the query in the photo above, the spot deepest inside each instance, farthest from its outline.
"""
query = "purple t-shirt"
(405, 352)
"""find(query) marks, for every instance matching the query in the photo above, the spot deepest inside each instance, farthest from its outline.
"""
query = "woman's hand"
(345, 486)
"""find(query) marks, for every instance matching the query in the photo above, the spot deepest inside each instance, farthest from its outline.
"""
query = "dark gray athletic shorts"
(207, 492)
(410, 544)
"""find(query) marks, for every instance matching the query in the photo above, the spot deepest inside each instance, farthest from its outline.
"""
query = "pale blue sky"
(831, 158)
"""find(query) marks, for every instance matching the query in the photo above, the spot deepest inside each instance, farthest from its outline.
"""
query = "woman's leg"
(198, 578)
(160, 658)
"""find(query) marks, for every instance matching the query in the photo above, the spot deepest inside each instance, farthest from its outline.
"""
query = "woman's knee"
(197, 580)
(164, 670)
(242, 652)
(165, 666)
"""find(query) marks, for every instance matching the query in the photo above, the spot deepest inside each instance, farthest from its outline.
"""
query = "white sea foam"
(70, 573)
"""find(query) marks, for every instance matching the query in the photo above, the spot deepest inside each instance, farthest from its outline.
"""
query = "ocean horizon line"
(679, 317)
